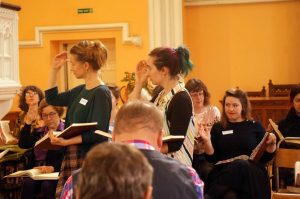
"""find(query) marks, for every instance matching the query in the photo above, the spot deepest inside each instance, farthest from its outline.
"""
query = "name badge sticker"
(227, 132)
(83, 101)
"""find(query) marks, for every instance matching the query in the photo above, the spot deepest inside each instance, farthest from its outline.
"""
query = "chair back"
(280, 90)
(286, 157)
(261, 93)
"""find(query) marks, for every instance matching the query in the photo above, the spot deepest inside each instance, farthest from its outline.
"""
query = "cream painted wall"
(244, 45)
(35, 62)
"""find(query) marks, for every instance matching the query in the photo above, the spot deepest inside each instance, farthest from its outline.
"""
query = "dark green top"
(83, 106)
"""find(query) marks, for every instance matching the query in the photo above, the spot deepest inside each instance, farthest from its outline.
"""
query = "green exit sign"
(84, 10)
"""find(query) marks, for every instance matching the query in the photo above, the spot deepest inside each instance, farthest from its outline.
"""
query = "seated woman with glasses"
(234, 136)
(46, 160)
(29, 100)
(204, 114)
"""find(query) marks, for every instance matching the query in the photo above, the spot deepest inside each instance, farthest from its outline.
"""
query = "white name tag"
(227, 132)
(83, 101)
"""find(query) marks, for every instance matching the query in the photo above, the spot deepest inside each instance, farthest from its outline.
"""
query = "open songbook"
(3, 153)
(256, 154)
(35, 174)
(275, 128)
(280, 136)
(169, 138)
(72, 131)
(5, 133)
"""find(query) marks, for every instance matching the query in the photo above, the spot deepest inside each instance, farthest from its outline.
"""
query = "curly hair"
(22, 100)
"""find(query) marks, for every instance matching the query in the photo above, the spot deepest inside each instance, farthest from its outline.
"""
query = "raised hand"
(59, 60)
(32, 113)
(142, 71)
(209, 118)
(203, 133)
(204, 136)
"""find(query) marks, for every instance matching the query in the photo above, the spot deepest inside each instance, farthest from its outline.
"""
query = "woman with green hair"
(166, 67)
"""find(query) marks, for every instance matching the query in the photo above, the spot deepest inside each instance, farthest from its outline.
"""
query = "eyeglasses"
(196, 94)
(50, 115)
(30, 94)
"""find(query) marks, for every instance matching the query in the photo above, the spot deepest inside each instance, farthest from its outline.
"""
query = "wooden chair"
(261, 93)
(285, 158)
(280, 90)
(285, 196)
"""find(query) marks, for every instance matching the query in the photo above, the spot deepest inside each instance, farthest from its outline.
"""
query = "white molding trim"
(9, 59)
(39, 31)
(165, 23)
(220, 2)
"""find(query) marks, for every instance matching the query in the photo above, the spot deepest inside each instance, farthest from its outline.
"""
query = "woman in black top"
(290, 127)
(46, 160)
(166, 67)
(237, 135)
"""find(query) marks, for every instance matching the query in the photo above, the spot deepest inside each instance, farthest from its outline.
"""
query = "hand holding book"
(267, 143)
(58, 141)
(35, 174)
(271, 143)
(45, 169)
(64, 138)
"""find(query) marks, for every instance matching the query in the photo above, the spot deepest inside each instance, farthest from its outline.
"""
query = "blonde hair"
(93, 52)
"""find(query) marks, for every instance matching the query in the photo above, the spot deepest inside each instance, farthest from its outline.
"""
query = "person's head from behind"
(115, 171)
(87, 56)
(167, 63)
(236, 107)
(30, 95)
(139, 120)
(198, 91)
(295, 99)
(50, 114)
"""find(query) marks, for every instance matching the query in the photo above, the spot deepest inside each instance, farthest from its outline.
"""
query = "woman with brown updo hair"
(90, 102)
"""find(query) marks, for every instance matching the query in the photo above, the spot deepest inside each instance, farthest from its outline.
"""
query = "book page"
(240, 157)
(255, 155)
(259, 149)
(3, 153)
(9, 138)
(169, 138)
(275, 128)
(29, 173)
(108, 135)
(47, 176)
(72, 131)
